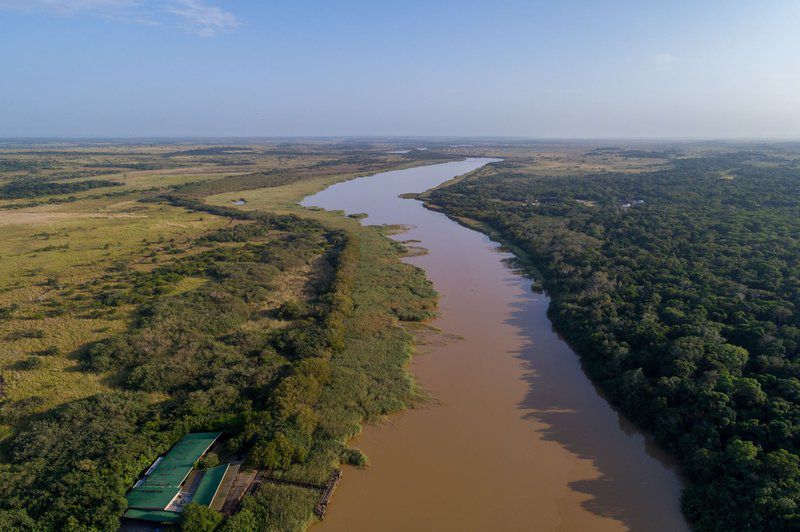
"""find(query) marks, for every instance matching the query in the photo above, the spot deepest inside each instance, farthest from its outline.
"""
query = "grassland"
(79, 271)
(50, 261)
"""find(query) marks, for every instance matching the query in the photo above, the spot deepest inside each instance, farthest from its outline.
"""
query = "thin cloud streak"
(68, 7)
(665, 60)
(194, 16)
(204, 20)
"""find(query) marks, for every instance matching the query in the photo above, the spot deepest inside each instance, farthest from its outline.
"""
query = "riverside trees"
(680, 288)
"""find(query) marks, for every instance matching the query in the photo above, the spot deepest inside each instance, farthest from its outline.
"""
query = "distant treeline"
(212, 150)
(141, 165)
(28, 188)
(680, 289)
(16, 165)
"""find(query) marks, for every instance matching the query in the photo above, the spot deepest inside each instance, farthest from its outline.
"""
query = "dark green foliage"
(680, 288)
(27, 188)
(31, 363)
(50, 351)
(274, 508)
(198, 518)
(354, 457)
(17, 165)
(16, 521)
(208, 461)
(83, 455)
(292, 310)
(8, 311)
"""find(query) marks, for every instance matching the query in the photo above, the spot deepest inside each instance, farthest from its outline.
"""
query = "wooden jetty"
(327, 493)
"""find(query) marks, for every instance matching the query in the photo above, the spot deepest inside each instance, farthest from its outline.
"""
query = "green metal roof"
(163, 483)
(209, 485)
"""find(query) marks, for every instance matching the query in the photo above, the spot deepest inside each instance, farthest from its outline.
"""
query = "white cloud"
(664, 60)
(195, 16)
(202, 19)
(66, 7)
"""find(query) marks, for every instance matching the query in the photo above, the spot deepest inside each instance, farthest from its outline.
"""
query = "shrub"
(8, 311)
(208, 461)
(32, 363)
(51, 351)
(292, 310)
(355, 457)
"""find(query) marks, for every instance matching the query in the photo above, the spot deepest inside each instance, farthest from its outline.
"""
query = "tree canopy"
(680, 288)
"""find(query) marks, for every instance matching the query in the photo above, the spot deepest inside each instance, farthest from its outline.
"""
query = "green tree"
(208, 461)
(198, 518)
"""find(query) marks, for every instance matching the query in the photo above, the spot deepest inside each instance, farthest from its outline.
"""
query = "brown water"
(521, 439)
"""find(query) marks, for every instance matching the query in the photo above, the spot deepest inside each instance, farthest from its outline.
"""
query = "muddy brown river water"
(519, 439)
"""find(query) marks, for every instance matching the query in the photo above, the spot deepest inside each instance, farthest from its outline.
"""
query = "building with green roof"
(163, 491)
(209, 485)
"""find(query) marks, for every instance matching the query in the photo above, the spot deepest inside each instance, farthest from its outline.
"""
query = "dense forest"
(680, 289)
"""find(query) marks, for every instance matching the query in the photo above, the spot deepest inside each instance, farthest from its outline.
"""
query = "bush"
(32, 363)
(7, 312)
(292, 310)
(51, 351)
(355, 457)
(208, 461)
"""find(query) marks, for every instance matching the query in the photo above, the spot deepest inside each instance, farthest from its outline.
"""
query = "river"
(519, 438)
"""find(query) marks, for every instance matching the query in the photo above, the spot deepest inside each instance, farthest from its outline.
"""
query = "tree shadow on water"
(637, 483)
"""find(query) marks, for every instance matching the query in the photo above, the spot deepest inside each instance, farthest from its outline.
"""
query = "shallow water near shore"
(519, 439)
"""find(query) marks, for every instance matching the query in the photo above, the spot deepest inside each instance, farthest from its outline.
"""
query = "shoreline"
(457, 376)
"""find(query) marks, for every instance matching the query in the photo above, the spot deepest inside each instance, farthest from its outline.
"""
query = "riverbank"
(520, 437)
(665, 332)
(369, 376)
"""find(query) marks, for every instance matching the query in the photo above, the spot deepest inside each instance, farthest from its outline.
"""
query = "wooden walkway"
(327, 493)
(239, 488)
(248, 482)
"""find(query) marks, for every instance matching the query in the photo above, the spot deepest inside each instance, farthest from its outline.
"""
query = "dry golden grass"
(52, 253)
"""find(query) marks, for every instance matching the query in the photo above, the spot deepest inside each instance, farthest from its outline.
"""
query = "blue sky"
(547, 69)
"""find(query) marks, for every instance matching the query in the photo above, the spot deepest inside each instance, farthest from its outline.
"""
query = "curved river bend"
(521, 439)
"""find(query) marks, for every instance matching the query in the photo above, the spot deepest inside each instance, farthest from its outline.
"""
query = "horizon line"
(398, 137)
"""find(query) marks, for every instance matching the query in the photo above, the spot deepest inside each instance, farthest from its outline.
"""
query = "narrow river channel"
(519, 438)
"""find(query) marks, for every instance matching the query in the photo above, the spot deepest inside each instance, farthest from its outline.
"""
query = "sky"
(540, 69)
